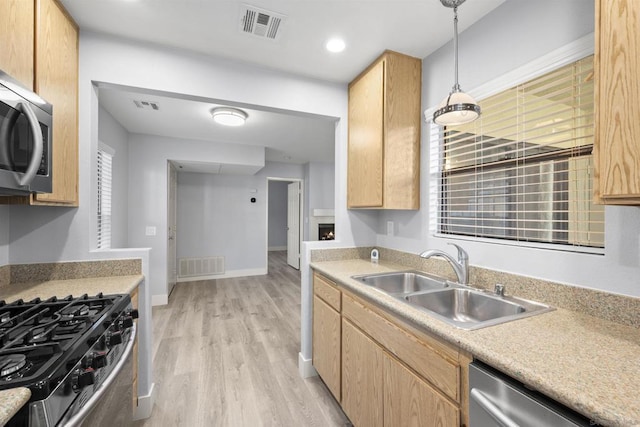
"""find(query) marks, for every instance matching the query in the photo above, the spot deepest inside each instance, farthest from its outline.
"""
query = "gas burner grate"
(48, 334)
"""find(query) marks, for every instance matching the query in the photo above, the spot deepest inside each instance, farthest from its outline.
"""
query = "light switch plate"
(389, 228)
(150, 231)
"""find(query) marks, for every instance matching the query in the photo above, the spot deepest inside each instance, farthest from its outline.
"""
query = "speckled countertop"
(589, 364)
(12, 400)
(75, 287)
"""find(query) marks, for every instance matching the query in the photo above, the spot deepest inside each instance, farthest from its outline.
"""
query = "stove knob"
(127, 322)
(99, 360)
(133, 313)
(114, 338)
(83, 378)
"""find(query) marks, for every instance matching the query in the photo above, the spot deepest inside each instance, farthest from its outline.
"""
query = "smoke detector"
(260, 22)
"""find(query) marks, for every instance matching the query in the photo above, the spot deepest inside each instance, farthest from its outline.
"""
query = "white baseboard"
(277, 248)
(305, 367)
(145, 404)
(227, 275)
(159, 299)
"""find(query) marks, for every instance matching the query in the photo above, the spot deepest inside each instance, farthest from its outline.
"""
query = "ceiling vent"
(261, 23)
(147, 105)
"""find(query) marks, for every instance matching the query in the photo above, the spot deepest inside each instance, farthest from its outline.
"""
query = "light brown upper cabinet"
(54, 68)
(384, 134)
(16, 32)
(617, 113)
(57, 82)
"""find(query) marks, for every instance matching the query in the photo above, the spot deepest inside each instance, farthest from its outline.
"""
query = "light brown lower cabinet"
(392, 374)
(362, 379)
(326, 344)
(409, 401)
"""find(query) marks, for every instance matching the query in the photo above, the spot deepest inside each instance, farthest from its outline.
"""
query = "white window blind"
(523, 171)
(105, 161)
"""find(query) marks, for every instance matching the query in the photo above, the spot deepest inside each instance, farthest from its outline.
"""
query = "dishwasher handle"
(485, 403)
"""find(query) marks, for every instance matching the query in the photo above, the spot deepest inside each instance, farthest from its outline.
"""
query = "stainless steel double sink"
(458, 305)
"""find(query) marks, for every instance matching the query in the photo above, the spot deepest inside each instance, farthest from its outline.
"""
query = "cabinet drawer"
(327, 290)
(417, 354)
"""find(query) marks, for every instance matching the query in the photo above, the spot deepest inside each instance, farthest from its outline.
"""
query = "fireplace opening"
(326, 231)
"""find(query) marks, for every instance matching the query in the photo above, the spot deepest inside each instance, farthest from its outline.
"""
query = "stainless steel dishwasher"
(496, 399)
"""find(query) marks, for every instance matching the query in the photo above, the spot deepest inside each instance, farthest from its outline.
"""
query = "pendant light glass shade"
(458, 107)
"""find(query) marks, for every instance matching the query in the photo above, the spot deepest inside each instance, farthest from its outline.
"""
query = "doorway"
(285, 218)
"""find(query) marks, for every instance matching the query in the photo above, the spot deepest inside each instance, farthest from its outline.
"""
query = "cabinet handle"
(485, 403)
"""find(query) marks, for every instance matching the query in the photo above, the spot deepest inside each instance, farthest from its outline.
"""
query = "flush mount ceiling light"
(229, 116)
(458, 107)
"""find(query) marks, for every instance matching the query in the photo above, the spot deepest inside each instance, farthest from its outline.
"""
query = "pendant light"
(457, 108)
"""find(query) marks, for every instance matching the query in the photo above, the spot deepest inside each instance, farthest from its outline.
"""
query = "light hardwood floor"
(226, 352)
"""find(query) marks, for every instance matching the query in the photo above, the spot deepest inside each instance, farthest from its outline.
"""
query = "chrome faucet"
(461, 266)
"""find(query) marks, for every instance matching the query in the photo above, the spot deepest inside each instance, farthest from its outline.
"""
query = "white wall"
(217, 218)
(321, 186)
(277, 213)
(508, 38)
(112, 134)
(148, 157)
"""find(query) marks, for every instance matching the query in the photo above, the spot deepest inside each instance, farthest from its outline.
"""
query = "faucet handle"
(463, 256)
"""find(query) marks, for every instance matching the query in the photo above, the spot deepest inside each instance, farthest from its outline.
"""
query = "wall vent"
(194, 267)
(147, 105)
(260, 22)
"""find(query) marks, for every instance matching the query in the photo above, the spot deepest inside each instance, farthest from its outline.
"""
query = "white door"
(172, 202)
(293, 225)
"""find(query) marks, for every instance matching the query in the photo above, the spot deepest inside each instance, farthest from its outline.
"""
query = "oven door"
(110, 405)
(25, 140)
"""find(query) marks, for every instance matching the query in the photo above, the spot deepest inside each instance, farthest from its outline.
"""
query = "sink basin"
(403, 282)
(458, 305)
(472, 309)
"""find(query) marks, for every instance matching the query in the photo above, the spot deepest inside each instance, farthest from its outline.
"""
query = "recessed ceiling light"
(335, 45)
(229, 116)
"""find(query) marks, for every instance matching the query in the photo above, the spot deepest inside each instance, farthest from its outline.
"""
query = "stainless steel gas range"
(69, 352)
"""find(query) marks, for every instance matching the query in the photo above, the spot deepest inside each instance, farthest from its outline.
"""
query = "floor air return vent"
(197, 267)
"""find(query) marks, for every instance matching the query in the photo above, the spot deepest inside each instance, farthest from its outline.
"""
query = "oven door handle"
(485, 403)
(77, 419)
(36, 158)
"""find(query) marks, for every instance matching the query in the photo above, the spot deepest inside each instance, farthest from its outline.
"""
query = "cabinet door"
(402, 132)
(410, 401)
(326, 344)
(16, 32)
(361, 377)
(57, 82)
(366, 146)
(617, 145)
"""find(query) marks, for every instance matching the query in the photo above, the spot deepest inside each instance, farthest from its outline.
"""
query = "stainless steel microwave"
(26, 129)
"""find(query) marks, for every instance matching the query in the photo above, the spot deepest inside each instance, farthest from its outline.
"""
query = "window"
(105, 162)
(523, 170)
